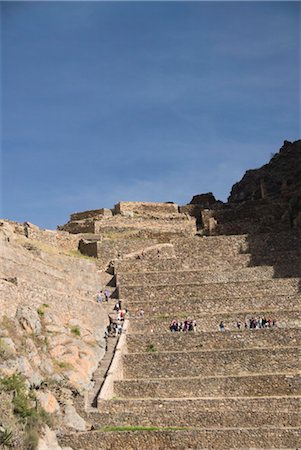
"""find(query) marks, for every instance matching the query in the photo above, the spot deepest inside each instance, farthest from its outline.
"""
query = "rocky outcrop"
(264, 200)
(279, 180)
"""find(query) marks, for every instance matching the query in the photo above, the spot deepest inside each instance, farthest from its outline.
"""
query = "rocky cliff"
(279, 180)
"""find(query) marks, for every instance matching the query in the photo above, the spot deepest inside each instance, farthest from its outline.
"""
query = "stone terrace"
(240, 388)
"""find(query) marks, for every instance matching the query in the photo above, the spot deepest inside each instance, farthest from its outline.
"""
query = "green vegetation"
(41, 309)
(25, 407)
(151, 348)
(6, 438)
(78, 254)
(75, 330)
(62, 365)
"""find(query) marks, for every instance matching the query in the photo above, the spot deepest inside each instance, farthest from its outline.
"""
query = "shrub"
(6, 437)
(151, 348)
(75, 330)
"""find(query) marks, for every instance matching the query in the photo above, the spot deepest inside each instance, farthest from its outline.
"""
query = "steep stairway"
(232, 389)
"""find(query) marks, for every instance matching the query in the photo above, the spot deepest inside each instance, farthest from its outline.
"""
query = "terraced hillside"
(238, 388)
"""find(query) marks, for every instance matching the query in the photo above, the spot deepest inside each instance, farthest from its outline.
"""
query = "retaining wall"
(206, 363)
(169, 342)
(183, 440)
(210, 322)
(254, 288)
(240, 386)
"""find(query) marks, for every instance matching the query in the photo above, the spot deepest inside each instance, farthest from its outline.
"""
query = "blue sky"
(153, 101)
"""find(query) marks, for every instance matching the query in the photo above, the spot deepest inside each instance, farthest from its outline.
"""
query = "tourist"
(221, 326)
(107, 295)
(99, 297)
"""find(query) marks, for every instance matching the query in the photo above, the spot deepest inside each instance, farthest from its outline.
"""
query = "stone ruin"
(213, 262)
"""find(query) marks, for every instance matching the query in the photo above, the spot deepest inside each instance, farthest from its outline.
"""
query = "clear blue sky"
(154, 101)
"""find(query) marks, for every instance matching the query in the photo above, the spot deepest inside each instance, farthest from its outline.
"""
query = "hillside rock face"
(277, 180)
(51, 328)
(264, 200)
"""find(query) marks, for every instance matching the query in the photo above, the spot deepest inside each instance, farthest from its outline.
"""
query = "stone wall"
(184, 439)
(236, 386)
(205, 413)
(166, 342)
(286, 318)
(184, 308)
(94, 213)
(206, 363)
(60, 239)
(204, 276)
(289, 286)
(146, 208)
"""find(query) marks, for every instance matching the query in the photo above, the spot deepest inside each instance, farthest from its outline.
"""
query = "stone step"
(252, 385)
(210, 322)
(228, 262)
(186, 307)
(181, 342)
(258, 273)
(291, 286)
(234, 412)
(205, 363)
(215, 438)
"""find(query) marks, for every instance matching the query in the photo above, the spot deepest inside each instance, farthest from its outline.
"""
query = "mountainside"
(280, 179)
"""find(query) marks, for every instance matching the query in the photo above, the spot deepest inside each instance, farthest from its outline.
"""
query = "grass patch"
(141, 428)
(151, 348)
(78, 254)
(62, 365)
(41, 312)
(75, 330)
(26, 409)
(6, 438)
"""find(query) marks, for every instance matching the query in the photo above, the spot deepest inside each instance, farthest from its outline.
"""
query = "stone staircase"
(237, 389)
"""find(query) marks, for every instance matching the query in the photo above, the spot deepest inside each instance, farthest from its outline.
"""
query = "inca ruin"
(156, 326)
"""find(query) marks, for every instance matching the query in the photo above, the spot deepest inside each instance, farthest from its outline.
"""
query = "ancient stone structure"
(238, 388)
(214, 262)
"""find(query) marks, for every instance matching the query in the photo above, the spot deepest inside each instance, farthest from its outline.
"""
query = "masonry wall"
(207, 363)
(212, 413)
(94, 213)
(288, 286)
(146, 208)
(238, 307)
(248, 386)
(60, 239)
(289, 318)
(184, 439)
(168, 342)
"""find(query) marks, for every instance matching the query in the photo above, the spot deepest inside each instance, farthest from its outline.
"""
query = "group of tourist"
(260, 322)
(103, 296)
(187, 325)
(253, 323)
